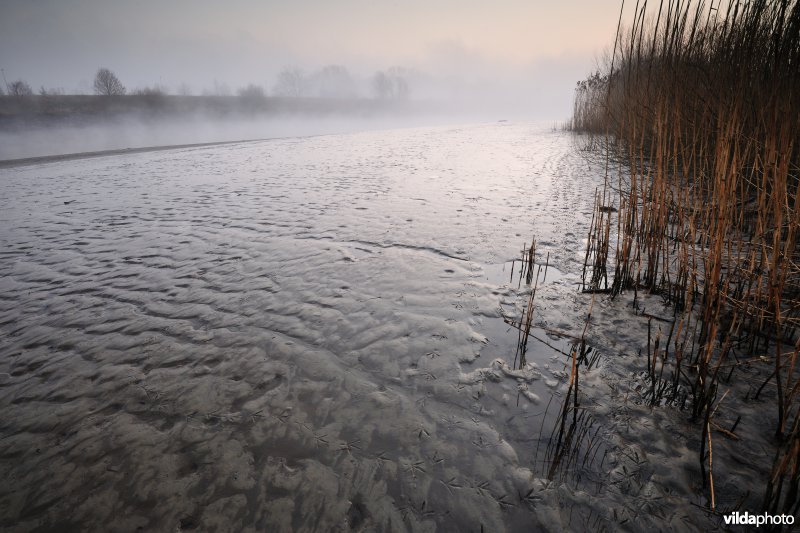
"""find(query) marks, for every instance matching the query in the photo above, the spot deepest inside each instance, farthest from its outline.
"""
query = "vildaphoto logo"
(764, 519)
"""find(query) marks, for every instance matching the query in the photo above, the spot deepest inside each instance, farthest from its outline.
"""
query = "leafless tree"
(220, 89)
(19, 88)
(155, 90)
(253, 95)
(154, 97)
(56, 91)
(391, 84)
(291, 82)
(399, 77)
(382, 85)
(106, 83)
(333, 81)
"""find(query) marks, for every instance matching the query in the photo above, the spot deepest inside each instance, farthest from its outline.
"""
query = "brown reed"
(699, 109)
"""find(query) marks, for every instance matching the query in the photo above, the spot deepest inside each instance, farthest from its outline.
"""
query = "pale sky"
(514, 45)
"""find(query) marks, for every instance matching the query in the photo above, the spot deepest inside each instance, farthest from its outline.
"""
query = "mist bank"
(45, 111)
(35, 126)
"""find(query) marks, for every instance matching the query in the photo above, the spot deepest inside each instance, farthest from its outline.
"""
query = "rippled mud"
(300, 334)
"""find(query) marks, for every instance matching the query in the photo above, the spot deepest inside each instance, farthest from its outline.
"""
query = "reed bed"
(698, 110)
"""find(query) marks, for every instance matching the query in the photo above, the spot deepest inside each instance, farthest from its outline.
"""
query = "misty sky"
(528, 53)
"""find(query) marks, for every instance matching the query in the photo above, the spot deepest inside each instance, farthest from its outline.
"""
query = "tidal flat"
(311, 334)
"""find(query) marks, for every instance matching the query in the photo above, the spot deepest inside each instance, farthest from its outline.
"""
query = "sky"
(526, 53)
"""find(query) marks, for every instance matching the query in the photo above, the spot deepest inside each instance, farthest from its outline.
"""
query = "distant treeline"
(331, 81)
(33, 110)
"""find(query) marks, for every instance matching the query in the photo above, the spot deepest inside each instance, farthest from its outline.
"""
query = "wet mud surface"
(308, 335)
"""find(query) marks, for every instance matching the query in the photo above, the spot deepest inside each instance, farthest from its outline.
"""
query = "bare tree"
(291, 82)
(221, 89)
(107, 83)
(155, 90)
(333, 81)
(19, 88)
(391, 84)
(56, 91)
(252, 92)
(154, 97)
(399, 77)
(382, 85)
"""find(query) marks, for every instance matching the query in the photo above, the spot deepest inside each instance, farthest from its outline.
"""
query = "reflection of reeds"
(572, 445)
(700, 105)
(527, 269)
(574, 440)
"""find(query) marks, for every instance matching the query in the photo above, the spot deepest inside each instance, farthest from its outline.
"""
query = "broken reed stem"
(710, 471)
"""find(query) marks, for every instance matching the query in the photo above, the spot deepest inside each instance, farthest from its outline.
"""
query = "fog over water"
(135, 132)
(451, 62)
(528, 54)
